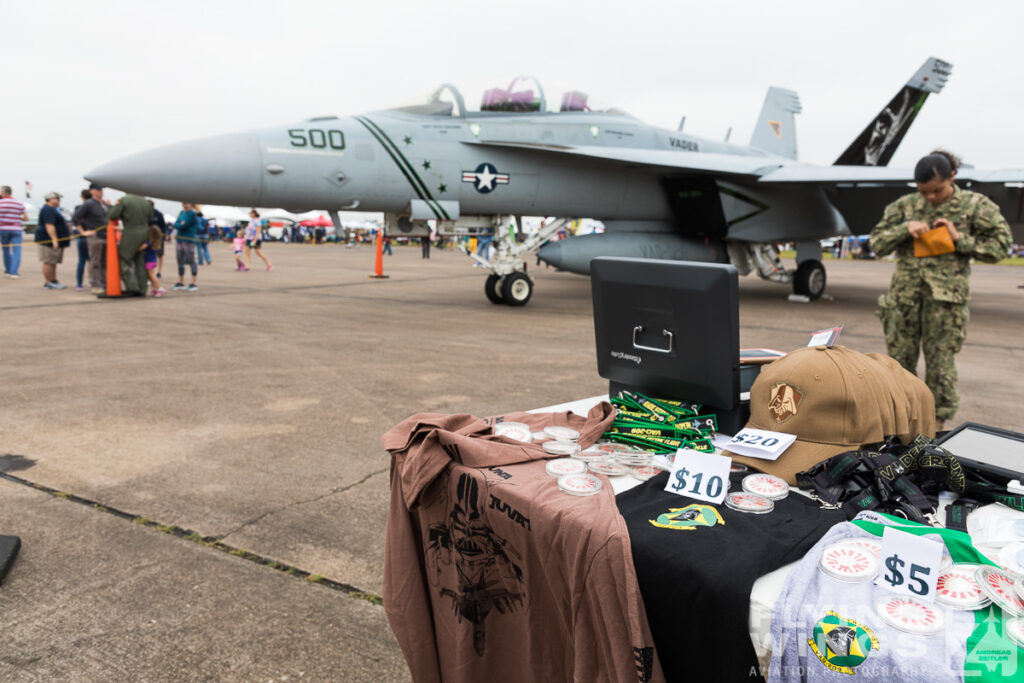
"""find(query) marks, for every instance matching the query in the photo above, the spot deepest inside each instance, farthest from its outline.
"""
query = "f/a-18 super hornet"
(660, 193)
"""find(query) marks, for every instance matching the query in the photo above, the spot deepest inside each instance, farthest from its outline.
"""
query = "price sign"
(703, 476)
(757, 443)
(827, 337)
(909, 564)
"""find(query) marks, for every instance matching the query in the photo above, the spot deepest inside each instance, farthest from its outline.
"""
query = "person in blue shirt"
(185, 246)
(203, 241)
(52, 235)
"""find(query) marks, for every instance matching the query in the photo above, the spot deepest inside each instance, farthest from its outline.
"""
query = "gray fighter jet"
(660, 193)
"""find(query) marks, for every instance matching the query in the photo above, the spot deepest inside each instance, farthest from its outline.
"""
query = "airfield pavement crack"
(212, 542)
(333, 491)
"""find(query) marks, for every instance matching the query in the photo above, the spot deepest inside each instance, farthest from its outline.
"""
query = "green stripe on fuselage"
(403, 164)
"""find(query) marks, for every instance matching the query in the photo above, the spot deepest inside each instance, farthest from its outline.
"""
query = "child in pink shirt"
(238, 243)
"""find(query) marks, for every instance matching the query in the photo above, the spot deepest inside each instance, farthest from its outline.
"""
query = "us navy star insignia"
(485, 178)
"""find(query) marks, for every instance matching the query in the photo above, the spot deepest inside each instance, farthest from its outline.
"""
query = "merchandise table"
(493, 572)
(962, 650)
(766, 589)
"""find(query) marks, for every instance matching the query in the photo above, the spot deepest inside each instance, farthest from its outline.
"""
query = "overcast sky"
(88, 82)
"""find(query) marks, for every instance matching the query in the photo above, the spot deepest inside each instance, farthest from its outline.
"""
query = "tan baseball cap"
(833, 399)
(920, 401)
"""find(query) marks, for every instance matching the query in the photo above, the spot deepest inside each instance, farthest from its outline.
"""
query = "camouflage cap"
(833, 399)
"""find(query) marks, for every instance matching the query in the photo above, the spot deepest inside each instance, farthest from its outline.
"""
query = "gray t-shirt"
(824, 629)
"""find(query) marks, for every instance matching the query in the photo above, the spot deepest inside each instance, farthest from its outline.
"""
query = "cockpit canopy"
(523, 95)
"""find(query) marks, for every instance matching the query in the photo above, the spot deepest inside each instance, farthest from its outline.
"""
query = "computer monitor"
(668, 328)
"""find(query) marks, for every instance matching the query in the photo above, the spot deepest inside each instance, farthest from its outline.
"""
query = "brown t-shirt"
(493, 574)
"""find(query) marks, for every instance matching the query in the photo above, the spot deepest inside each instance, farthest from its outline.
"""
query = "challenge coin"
(848, 563)
(910, 615)
(564, 466)
(608, 468)
(644, 472)
(749, 502)
(767, 485)
(561, 433)
(516, 431)
(956, 587)
(579, 484)
(999, 586)
(561, 447)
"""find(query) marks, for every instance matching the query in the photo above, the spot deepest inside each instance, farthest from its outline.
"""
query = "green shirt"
(984, 235)
(134, 211)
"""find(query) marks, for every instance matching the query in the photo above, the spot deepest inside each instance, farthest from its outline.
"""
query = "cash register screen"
(670, 328)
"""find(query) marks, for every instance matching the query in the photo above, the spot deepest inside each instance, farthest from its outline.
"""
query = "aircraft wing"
(700, 162)
(763, 169)
(879, 174)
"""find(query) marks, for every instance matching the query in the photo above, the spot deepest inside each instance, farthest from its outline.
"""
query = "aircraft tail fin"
(878, 142)
(775, 131)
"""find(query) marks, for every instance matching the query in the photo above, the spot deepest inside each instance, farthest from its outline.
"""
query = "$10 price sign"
(910, 564)
(702, 476)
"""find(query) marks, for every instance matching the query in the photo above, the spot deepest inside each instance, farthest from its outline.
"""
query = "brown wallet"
(935, 242)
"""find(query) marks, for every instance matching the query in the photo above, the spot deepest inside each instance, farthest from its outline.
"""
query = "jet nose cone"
(224, 169)
(551, 254)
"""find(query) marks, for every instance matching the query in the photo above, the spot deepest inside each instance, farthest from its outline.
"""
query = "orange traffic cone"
(378, 267)
(113, 264)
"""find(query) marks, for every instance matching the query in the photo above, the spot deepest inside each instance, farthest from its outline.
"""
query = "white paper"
(755, 443)
(909, 564)
(701, 476)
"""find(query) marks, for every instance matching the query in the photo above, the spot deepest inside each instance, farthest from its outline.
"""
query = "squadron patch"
(842, 644)
(776, 127)
(485, 178)
(688, 518)
(785, 401)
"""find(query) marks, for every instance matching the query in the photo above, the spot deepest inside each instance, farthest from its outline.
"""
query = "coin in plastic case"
(909, 615)
(555, 447)
(1000, 587)
(591, 455)
(579, 484)
(767, 485)
(749, 502)
(514, 430)
(1014, 628)
(561, 433)
(869, 544)
(564, 466)
(608, 468)
(956, 587)
(848, 563)
(540, 436)
(644, 472)
(738, 467)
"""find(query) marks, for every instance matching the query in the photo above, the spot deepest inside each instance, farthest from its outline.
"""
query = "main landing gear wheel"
(809, 279)
(517, 289)
(492, 288)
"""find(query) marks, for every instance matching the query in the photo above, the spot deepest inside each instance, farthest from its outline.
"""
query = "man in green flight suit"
(135, 213)
(926, 306)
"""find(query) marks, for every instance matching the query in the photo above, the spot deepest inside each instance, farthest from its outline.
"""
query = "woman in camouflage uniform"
(926, 306)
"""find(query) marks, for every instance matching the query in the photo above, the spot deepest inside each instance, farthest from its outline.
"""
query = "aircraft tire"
(809, 279)
(493, 289)
(517, 289)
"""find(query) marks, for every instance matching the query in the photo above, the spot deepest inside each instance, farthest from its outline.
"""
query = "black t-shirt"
(50, 215)
(696, 564)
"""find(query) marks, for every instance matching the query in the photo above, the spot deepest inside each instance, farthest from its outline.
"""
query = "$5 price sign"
(910, 564)
(702, 476)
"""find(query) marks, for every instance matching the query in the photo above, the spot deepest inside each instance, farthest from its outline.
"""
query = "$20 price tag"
(910, 564)
(703, 476)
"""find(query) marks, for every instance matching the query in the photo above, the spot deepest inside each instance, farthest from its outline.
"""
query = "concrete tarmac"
(250, 413)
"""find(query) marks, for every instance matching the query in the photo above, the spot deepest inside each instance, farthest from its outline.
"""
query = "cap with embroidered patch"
(834, 399)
